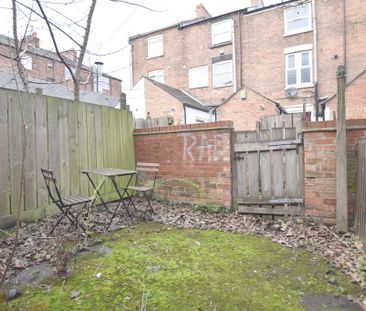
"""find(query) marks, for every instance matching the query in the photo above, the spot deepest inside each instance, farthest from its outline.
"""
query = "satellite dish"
(291, 91)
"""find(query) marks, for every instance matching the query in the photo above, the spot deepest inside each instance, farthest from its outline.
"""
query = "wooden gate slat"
(265, 171)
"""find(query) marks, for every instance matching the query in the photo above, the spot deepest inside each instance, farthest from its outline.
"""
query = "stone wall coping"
(210, 126)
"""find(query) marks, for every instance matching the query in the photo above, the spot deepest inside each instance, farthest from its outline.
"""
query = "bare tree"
(75, 74)
(17, 64)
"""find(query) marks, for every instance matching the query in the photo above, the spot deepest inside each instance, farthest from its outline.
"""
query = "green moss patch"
(188, 269)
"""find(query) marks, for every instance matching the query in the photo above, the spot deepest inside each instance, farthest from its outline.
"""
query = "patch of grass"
(161, 268)
(210, 208)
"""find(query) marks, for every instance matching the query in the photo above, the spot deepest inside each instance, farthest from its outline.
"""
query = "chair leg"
(148, 199)
(58, 221)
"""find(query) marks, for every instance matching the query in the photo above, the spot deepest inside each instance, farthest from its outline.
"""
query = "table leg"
(96, 189)
(121, 198)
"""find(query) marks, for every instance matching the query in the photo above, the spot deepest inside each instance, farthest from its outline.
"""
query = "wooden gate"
(269, 174)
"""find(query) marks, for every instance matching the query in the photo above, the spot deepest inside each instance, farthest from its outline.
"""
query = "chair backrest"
(51, 183)
(149, 169)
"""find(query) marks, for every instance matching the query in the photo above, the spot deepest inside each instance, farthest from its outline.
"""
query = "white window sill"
(152, 57)
(217, 45)
(198, 87)
(222, 86)
(288, 34)
(301, 86)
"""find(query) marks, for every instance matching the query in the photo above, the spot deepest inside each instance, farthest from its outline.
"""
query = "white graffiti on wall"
(206, 151)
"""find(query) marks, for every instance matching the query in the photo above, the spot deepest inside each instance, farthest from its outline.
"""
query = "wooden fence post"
(341, 142)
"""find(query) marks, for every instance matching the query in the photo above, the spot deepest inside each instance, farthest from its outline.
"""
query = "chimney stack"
(32, 40)
(202, 12)
(257, 3)
(70, 54)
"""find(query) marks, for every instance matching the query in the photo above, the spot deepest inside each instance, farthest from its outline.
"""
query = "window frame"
(298, 67)
(309, 27)
(191, 72)
(67, 74)
(149, 51)
(213, 34)
(27, 61)
(214, 85)
(156, 73)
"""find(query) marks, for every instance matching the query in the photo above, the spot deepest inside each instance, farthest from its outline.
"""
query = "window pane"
(299, 11)
(305, 59)
(198, 77)
(222, 74)
(291, 61)
(26, 61)
(305, 75)
(297, 24)
(221, 31)
(155, 46)
(221, 68)
(291, 77)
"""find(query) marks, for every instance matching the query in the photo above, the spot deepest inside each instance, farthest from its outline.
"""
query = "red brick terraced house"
(260, 60)
(47, 74)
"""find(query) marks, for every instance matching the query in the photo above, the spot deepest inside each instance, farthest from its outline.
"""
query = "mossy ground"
(188, 269)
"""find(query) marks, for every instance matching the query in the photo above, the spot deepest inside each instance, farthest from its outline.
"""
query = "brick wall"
(320, 167)
(262, 51)
(46, 68)
(159, 103)
(355, 99)
(246, 112)
(195, 160)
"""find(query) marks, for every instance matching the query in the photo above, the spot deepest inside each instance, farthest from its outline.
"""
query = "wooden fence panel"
(15, 152)
(41, 148)
(63, 149)
(64, 136)
(30, 176)
(73, 148)
(4, 158)
(360, 221)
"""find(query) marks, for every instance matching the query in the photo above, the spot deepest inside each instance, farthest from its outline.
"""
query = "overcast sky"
(113, 24)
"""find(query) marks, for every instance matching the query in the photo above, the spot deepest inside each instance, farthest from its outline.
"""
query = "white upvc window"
(27, 62)
(222, 73)
(221, 32)
(67, 74)
(155, 46)
(299, 69)
(157, 75)
(198, 77)
(298, 19)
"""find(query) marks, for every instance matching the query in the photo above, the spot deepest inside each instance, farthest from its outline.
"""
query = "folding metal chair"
(65, 204)
(145, 171)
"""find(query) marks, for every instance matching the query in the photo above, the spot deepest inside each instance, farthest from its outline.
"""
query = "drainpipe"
(240, 53)
(185, 114)
(234, 55)
(131, 67)
(344, 37)
(315, 53)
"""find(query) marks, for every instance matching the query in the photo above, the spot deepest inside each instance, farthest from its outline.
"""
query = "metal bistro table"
(110, 173)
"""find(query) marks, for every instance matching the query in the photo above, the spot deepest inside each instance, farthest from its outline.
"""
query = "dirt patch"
(329, 303)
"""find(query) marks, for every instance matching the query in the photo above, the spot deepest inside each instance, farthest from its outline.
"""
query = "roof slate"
(181, 96)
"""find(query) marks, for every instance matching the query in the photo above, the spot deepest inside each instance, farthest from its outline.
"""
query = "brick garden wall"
(320, 167)
(195, 161)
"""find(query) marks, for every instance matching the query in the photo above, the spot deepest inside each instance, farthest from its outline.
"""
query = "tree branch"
(50, 22)
(54, 40)
(137, 4)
